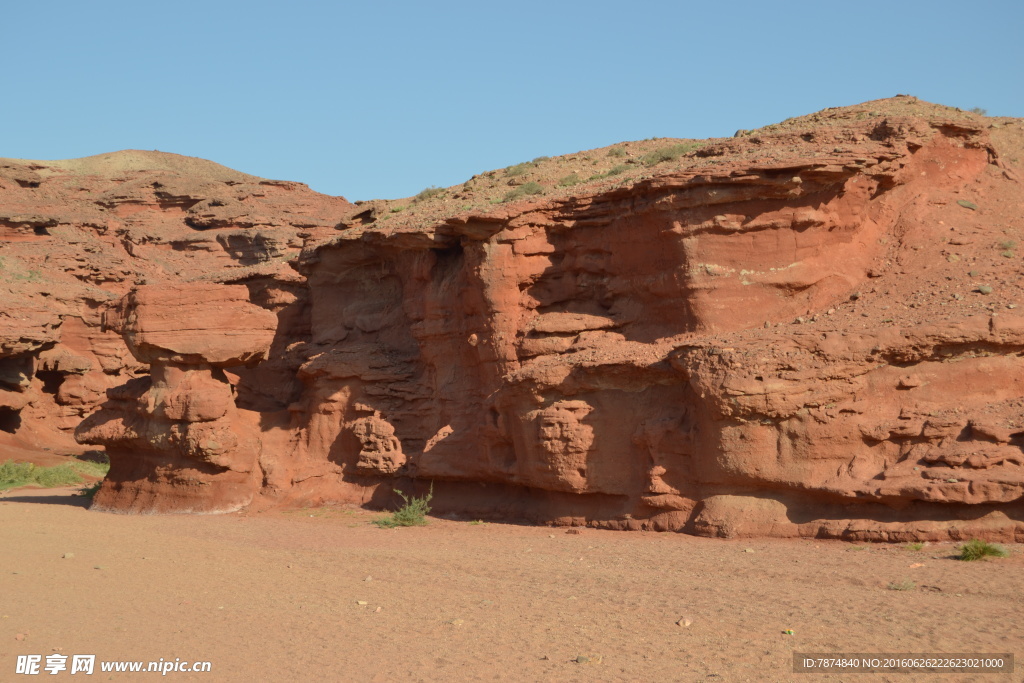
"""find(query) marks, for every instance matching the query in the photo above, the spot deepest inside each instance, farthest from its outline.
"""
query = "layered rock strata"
(682, 353)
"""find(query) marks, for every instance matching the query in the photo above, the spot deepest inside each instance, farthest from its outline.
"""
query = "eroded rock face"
(707, 351)
(77, 235)
(806, 331)
(380, 450)
(176, 440)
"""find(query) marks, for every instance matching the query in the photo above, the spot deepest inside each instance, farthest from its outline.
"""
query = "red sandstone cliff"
(809, 329)
(77, 235)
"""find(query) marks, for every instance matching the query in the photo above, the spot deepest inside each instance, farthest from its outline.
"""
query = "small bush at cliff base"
(60, 475)
(412, 513)
(976, 549)
(16, 474)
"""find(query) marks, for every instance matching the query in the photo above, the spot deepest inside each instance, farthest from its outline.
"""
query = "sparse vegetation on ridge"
(429, 193)
(670, 153)
(618, 169)
(520, 169)
(524, 190)
(585, 171)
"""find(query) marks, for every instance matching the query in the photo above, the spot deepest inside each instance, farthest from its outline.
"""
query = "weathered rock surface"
(192, 323)
(77, 235)
(808, 330)
(176, 440)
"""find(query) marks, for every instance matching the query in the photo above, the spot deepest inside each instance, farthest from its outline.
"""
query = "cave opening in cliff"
(449, 259)
(52, 379)
(10, 420)
(15, 371)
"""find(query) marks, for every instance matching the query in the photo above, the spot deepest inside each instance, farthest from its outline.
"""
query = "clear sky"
(381, 99)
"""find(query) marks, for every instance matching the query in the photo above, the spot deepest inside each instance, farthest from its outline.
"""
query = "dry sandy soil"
(325, 595)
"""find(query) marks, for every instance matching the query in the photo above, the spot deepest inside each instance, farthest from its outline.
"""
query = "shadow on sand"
(60, 496)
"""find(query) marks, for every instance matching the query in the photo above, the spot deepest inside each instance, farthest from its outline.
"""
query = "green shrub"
(539, 159)
(670, 153)
(570, 180)
(614, 170)
(919, 545)
(91, 468)
(904, 585)
(616, 152)
(59, 475)
(429, 193)
(976, 549)
(520, 169)
(15, 474)
(413, 512)
(524, 190)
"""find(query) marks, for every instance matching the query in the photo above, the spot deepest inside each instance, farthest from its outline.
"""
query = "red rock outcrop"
(77, 235)
(176, 440)
(804, 330)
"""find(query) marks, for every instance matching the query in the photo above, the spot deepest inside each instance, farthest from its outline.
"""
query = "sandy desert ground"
(325, 595)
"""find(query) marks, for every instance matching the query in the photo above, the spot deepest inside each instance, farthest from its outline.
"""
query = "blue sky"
(381, 99)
